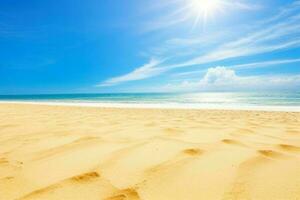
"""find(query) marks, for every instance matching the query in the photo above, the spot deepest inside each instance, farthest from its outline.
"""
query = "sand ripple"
(75, 153)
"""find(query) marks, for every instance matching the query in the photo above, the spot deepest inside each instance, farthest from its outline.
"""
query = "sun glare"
(204, 8)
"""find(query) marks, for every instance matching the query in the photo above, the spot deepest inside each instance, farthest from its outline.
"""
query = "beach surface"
(52, 152)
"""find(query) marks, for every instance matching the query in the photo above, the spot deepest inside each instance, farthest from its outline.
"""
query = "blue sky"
(71, 46)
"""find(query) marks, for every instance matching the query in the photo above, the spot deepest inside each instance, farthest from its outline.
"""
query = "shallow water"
(185, 100)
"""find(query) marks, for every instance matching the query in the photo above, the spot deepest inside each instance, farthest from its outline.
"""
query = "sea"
(275, 101)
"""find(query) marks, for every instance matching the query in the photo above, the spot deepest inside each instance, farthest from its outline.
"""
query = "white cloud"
(143, 72)
(224, 79)
(219, 75)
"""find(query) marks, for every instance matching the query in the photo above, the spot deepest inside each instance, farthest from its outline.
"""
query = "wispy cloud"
(180, 11)
(276, 33)
(242, 5)
(270, 39)
(263, 64)
(143, 72)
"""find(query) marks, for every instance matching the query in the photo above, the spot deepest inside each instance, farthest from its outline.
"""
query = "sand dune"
(72, 153)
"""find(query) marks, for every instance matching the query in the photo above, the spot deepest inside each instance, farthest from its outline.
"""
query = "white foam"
(162, 106)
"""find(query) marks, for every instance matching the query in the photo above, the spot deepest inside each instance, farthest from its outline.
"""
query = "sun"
(204, 8)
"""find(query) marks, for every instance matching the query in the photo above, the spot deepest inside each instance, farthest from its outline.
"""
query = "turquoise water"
(286, 99)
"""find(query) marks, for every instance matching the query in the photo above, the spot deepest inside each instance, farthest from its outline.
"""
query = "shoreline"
(161, 106)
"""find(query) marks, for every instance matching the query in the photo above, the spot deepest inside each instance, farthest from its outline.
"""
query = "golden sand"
(75, 153)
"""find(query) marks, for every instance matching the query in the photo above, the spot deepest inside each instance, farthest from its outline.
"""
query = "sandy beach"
(74, 153)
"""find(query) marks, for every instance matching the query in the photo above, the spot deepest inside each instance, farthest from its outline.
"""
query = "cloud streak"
(143, 72)
(253, 65)
(265, 64)
(265, 41)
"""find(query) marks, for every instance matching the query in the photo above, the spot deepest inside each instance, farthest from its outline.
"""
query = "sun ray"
(203, 9)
